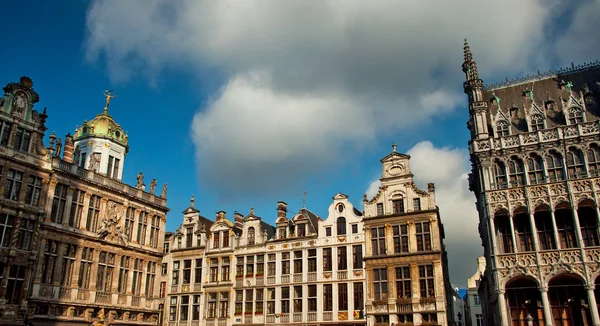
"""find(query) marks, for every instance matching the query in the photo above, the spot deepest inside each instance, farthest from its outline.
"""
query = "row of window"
(430, 318)
(538, 122)
(401, 238)
(398, 206)
(24, 234)
(253, 301)
(548, 229)
(403, 282)
(516, 173)
(22, 139)
(15, 282)
(255, 265)
(106, 269)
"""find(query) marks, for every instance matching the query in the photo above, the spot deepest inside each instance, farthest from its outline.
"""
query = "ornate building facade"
(78, 246)
(535, 153)
(405, 257)
(305, 270)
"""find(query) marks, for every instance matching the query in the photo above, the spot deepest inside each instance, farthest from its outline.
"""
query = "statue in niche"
(140, 181)
(94, 162)
(76, 154)
(152, 185)
(164, 191)
(19, 104)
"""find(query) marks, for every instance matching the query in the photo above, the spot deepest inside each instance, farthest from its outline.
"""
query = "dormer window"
(189, 233)
(281, 233)
(112, 171)
(22, 140)
(398, 206)
(417, 204)
(328, 231)
(537, 122)
(502, 128)
(340, 208)
(251, 235)
(301, 230)
(575, 115)
(216, 239)
(225, 239)
(341, 226)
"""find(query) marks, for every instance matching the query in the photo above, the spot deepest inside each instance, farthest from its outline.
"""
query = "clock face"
(395, 169)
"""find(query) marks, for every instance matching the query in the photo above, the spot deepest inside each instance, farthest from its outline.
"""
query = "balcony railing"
(284, 318)
(103, 297)
(248, 319)
(270, 319)
(297, 317)
(65, 294)
(297, 278)
(312, 277)
(312, 316)
(270, 279)
(342, 275)
(328, 316)
(285, 279)
(135, 301)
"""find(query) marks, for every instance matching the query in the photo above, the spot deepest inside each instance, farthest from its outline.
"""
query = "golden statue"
(110, 94)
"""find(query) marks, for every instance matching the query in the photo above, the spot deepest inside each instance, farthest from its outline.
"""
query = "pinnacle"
(468, 55)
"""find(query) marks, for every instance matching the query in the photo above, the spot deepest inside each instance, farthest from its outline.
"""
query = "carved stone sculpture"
(140, 181)
(152, 185)
(164, 192)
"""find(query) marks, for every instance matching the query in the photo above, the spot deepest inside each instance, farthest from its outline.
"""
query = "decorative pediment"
(340, 196)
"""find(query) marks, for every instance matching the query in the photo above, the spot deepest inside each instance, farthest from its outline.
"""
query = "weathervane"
(109, 94)
(570, 86)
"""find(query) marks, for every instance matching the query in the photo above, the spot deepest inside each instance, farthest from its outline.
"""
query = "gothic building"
(535, 153)
(306, 270)
(77, 246)
(405, 257)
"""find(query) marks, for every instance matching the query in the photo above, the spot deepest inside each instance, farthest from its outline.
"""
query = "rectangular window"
(175, 273)
(379, 209)
(136, 284)
(166, 246)
(196, 308)
(225, 269)
(403, 289)
(478, 319)
(342, 296)
(113, 167)
(80, 160)
(154, 231)
(164, 268)
(22, 140)
(129, 222)
(398, 206)
(285, 300)
(342, 258)
(150, 279)
(93, 212)
(163, 289)
(259, 301)
(198, 272)
(189, 237)
(312, 260)
(423, 234)
(327, 297)
(49, 263)
(173, 309)
(12, 185)
(354, 228)
(297, 262)
(239, 298)
(14, 287)
(187, 271)
(223, 304)
(34, 189)
(357, 257)
(68, 263)
(6, 229)
(358, 296)
(545, 230)
(59, 202)
(214, 272)
(248, 305)
(250, 266)
(312, 298)
(426, 281)
(212, 305)
(225, 239)
(115, 173)
(4, 132)
(76, 208)
(378, 241)
(25, 237)
(85, 269)
(476, 300)
(328, 231)
(380, 283)
(123, 274)
(298, 298)
(327, 259)
(417, 204)
(271, 301)
(142, 226)
(285, 263)
(400, 238)
(106, 267)
(183, 310)
(216, 238)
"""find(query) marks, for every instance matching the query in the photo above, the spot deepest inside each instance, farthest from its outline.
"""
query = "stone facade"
(305, 270)
(535, 156)
(405, 257)
(473, 299)
(78, 246)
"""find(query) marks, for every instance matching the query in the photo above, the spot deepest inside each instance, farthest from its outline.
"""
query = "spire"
(192, 200)
(468, 55)
(394, 147)
(469, 66)
(304, 201)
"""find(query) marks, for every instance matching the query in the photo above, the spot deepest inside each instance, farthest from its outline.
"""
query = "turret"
(473, 87)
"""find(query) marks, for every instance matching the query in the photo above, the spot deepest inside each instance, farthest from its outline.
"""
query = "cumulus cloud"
(448, 169)
(308, 79)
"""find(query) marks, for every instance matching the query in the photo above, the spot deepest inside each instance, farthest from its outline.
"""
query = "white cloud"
(309, 78)
(448, 169)
(373, 188)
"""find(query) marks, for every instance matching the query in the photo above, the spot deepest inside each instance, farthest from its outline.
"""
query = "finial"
(109, 94)
(192, 200)
(531, 92)
(304, 200)
(496, 98)
(468, 55)
(251, 210)
(570, 86)
(394, 147)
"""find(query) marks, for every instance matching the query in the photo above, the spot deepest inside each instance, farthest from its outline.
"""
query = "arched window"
(536, 169)
(537, 122)
(251, 235)
(516, 172)
(341, 226)
(502, 128)
(593, 157)
(575, 165)
(575, 115)
(554, 164)
(500, 175)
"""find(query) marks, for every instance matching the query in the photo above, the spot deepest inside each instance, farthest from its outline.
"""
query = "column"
(117, 272)
(77, 266)
(592, 302)
(536, 244)
(512, 233)
(502, 308)
(546, 306)
(134, 232)
(597, 213)
(556, 238)
(493, 235)
(51, 187)
(577, 228)
(59, 264)
(69, 200)
(94, 268)
(40, 266)
(86, 207)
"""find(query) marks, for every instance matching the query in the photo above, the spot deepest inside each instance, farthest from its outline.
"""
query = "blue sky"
(243, 109)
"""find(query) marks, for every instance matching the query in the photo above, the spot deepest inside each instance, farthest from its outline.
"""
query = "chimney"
(238, 220)
(68, 152)
(281, 209)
